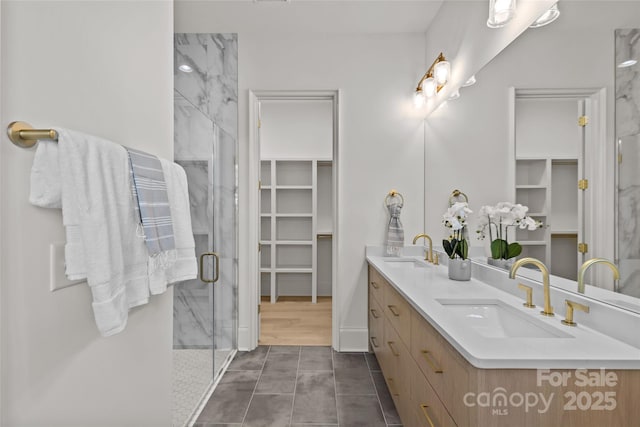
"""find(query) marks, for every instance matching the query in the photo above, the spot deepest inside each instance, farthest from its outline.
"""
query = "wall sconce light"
(546, 18)
(433, 80)
(501, 12)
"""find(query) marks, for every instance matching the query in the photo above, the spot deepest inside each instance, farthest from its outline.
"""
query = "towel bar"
(24, 135)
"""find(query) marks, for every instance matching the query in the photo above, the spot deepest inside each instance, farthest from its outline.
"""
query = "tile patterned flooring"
(292, 386)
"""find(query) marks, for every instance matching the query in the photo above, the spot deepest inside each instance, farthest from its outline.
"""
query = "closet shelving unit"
(291, 225)
(548, 186)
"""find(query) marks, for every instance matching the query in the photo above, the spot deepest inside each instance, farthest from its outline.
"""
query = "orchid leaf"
(462, 249)
(513, 250)
(499, 249)
(448, 248)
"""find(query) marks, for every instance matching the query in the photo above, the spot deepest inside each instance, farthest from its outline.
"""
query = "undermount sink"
(492, 318)
(405, 262)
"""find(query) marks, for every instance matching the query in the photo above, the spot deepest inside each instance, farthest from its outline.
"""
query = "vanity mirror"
(573, 61)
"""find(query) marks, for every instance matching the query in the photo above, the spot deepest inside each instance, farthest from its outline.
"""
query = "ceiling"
(305, 16)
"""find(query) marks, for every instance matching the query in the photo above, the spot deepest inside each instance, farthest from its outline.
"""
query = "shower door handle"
(217, 267)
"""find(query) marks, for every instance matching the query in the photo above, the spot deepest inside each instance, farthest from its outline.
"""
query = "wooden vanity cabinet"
(433, 385)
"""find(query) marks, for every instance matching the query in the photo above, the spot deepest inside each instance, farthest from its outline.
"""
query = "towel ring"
(455, 194)
(391, 195)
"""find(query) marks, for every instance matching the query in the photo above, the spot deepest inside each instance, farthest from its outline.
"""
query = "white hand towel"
(46, 192)
(182, 265)
(96, 200)
(45, 177)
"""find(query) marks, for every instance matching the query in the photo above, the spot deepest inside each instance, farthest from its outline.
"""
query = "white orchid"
(502, 216)
(455, 218)
(529, 223)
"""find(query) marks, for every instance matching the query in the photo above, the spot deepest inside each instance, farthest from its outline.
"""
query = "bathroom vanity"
(470, 354)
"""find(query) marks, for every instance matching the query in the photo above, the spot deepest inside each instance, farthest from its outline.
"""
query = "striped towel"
(395, 232)
(151, 202)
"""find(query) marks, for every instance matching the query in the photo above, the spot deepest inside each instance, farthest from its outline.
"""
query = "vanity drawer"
(398, 311)
(398, 376)
(441, 366)
(427, 409)
(376, 325)
(376, 283)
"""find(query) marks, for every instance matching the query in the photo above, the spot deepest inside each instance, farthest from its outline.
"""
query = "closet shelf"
(294, 187)
(293, 215)
(293, 270)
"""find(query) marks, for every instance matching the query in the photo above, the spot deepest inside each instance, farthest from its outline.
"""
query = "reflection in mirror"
(573, 56)
(628, 136)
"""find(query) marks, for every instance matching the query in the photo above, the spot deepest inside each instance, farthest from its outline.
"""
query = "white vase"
(459, 269)
(501, 263)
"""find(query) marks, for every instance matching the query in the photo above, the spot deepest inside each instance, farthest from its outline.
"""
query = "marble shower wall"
(205, 134)
(628, 137)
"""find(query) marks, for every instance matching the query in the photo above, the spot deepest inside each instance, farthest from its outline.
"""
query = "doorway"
(296, 139)
(556, 153)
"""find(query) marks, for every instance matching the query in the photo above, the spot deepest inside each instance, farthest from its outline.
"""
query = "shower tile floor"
(192, 375)
(275, 386)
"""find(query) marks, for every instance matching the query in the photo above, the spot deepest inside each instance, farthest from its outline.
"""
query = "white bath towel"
(89, 178)
(182, 266)
(96, 198)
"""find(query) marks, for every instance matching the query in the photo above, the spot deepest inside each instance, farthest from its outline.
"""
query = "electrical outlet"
(57, 279)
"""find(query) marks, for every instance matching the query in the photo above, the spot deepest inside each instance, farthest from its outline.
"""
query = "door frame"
(599, 170)
(253, 263)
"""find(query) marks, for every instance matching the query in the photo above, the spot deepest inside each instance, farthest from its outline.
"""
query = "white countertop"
(581, 348)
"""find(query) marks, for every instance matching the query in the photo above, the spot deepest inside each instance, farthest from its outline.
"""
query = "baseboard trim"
(354, 339)
(244, 343)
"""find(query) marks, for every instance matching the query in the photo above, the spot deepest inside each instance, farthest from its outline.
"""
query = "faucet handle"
(529, 292)
(572, 305)
(436, 259)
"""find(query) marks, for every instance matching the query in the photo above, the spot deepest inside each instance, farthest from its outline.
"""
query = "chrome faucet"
(548, 309)
(589, 263)
(428, 256)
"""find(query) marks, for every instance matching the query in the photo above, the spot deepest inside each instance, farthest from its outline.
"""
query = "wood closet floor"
(295, 321)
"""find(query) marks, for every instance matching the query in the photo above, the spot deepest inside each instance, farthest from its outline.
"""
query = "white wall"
(104, 68)
(296, 129)
(467, 139)
(381, 140)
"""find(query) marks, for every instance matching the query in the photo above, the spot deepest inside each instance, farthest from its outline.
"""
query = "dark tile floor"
(300, 386)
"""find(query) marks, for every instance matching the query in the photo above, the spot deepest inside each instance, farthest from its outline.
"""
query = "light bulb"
(429, 87)
(441, 72)
(418, 99)
(546, 18)
(501, 12)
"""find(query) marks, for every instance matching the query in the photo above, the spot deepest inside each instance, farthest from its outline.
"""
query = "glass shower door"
(224, 205)
(205, 308)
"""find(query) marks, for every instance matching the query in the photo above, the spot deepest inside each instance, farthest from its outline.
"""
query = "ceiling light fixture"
(185, 68)
(433, 80)
(501, 12)
(546, 18)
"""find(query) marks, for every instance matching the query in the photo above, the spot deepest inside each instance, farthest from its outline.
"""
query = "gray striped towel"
(395, 232)
(151, 202)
